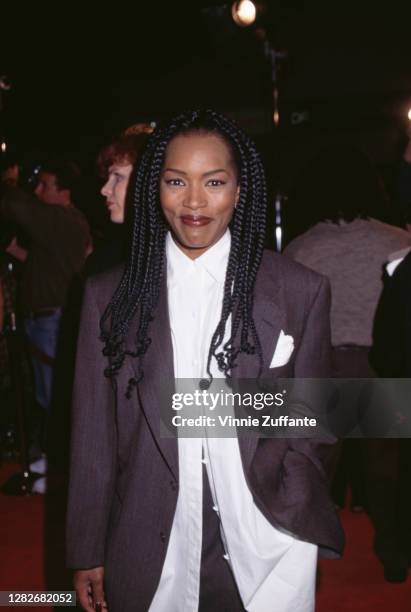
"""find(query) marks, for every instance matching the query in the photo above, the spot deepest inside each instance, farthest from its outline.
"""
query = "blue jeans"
(43, 335)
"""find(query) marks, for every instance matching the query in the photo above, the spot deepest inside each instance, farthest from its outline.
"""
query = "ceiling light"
(244, 13)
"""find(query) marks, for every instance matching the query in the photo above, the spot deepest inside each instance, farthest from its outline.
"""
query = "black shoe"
(395, 574)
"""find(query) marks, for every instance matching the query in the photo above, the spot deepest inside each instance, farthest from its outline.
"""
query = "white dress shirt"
(272, 570)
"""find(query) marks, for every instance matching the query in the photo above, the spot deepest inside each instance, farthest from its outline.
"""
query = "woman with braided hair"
(172, 524)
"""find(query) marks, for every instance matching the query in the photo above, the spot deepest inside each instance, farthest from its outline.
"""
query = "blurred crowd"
(48, 249)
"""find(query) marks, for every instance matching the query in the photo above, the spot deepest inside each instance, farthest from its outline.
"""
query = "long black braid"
(138, 291)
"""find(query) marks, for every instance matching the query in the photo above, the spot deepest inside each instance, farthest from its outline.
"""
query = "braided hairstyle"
(138, 291)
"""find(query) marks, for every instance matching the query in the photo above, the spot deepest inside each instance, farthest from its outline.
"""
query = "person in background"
(10, 175)
(59, 237)
(115, 163)
(9, 278)
(404, 181)
(343, 193)
(391, 351)
(10, 172)
(12, 254)
(391, 358)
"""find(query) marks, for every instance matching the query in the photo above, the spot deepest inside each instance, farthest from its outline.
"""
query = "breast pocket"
(274, 376)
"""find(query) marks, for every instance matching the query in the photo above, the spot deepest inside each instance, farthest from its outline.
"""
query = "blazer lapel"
(158, 380)
(269, 320)
(158, 366)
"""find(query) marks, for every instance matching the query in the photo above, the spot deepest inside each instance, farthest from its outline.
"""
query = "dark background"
(80, 74)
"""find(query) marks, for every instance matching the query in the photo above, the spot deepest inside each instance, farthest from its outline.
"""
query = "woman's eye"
(114, 178)
(175, 182)
(215, 183)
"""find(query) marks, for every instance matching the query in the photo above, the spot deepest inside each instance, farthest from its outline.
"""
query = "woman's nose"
(196, 198)
(106, 189)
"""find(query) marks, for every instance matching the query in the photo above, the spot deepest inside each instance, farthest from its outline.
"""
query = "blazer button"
(162, 536)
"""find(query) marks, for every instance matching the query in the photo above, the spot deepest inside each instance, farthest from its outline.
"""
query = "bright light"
(244, 12)
(409, 114)
(278, 238)
(3, 147)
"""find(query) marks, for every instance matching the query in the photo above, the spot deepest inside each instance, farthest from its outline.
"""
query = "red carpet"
(32, 557)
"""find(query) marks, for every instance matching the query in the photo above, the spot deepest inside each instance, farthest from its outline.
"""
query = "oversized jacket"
(124, 475)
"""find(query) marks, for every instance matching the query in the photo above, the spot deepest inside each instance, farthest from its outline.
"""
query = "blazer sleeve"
(93, 444)
(313, 360)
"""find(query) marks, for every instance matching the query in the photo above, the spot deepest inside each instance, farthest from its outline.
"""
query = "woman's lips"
(195, 221)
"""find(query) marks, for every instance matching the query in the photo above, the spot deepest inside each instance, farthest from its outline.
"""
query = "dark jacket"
(59, 237)
(124, 475)
(391, 352)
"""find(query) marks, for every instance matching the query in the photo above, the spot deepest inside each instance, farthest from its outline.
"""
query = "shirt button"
(204, 461)
(226, 557)
(215, 508)
(162, 536)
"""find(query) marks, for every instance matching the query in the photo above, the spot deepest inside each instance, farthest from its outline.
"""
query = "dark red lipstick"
(195, 221)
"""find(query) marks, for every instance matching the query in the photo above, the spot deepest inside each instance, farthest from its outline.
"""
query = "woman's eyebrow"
(208, 173)
(175, 170)
(215, 171)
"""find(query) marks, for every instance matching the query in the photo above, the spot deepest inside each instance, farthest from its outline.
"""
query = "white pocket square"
(283, 350)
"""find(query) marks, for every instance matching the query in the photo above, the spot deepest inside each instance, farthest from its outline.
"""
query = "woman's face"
(198, 190)
(115, 190)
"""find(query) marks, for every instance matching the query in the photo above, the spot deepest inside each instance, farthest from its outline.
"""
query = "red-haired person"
(115, 163)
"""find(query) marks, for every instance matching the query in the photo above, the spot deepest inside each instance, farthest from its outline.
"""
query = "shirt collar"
(214, 260)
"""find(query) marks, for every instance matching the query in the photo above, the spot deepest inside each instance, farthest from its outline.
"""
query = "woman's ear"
(237, 196)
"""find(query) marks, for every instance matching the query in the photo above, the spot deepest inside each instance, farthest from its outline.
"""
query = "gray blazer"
(124, 476)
